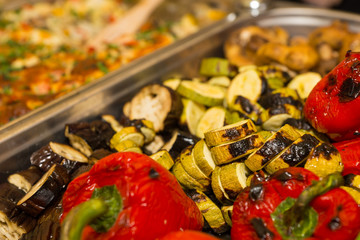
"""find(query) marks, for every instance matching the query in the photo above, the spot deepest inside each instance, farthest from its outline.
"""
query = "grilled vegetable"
(163, 157)
(185, 179)
(191, 115)
(324, 159)
(247, 84)
(211, 212)
(215, 67)
(89, 136)
(229, 152)
(273, 146)
(227, 213)
(189, 235)
(248, 108)
(25, 179)
(273, 118)
(57, 153)
(122, 188)
(159, 104)
(213, 118)
(352, 180)
(203, 157)
(178, 142)
(293, 155)
(202, 93)
(304, 83)
(44, 191)
(229, 133)
(280, 97)
(189, 164)
(128, 139)
(330, 105)
(349, 151)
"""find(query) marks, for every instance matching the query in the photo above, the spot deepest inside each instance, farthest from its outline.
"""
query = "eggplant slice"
(157, 103)
(13, 221)
(25, 179)
(57, 153)
(87, 137)
(47, 189)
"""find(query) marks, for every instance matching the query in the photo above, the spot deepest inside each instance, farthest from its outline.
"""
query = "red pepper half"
(318, 211)
(350, 155)
(188, 235)
(332, 106)
(154, 204)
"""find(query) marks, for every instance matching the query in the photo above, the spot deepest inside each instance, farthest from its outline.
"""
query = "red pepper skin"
(288, 182)
(350, 155)
(154, 203)
(188, 235)
(332, 106)
(339, 210)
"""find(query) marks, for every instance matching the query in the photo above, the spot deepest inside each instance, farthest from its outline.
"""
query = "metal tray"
(26, 135)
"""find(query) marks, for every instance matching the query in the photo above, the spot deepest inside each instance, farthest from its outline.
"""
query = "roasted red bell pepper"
(350, 155)
(188, 235)
(317, 211)
(127, 196)
(332, 106)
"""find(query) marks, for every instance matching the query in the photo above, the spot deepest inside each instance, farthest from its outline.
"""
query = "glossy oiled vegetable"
(153, 202)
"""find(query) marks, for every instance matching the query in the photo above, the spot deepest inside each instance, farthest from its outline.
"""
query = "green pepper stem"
(294, 214)
(79, 217)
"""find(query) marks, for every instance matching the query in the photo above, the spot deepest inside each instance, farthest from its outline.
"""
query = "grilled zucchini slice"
(185, 180)
(230, 133)
(227, 212)
(303, 83)
(324, 160)
(294, 154)
(203, 93)
(229, 152)
(211, 212)
(274, 118)
(213, 118)
(203, 157)
(191, 115)
(273, 146)
(215, 66)
(164, 158)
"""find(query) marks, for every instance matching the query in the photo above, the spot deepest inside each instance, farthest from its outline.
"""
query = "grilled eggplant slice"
(45, 190)
(25, 179)
(13, 222)
(157, 103)
(57, 153)
(87, 137)
(211, 212)
(178, 142)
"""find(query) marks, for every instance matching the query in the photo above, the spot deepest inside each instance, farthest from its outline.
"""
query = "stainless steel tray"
(25, 135)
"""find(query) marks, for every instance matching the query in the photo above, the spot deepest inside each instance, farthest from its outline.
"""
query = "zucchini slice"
(303, 83)
(272, 146)
(227, 212)
(247, 84)
(221, 81)
(127, 137)
(274, 118)
(25, 179)
(203, 93)
(294, 154)
(211, 212)
(157, 103)
(324, 160)
(203, 157)
(217, 187)
(214, 66)
(188, 162)
(213, 118)
(164, 158)
(191, 115)
(352, 180)
(178, 141)
(172, 83)
(185, 180)
(229, 152)
(229, 133)
(114, 123)
(248, 108)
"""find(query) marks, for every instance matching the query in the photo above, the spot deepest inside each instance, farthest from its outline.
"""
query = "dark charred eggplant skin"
(11, 192)
(55, 153)
(48, 188)
(96, 134)
(48, 230)
(25, 179)
(179, 141)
